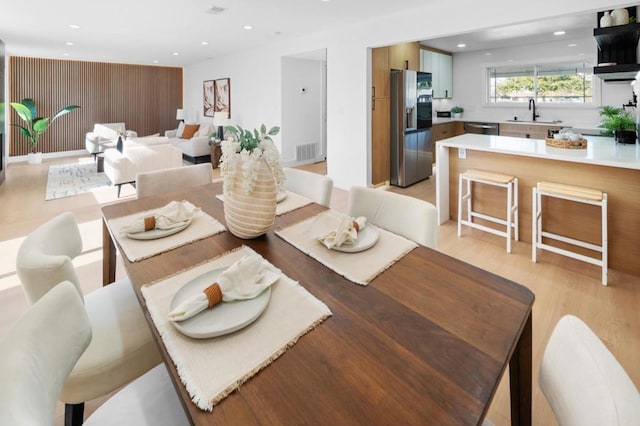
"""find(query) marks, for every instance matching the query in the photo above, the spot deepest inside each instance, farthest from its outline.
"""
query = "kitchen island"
(605, 165)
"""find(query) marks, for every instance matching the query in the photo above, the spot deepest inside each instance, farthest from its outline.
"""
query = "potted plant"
(252, 173)
(35, 126)
(618, 123)
(457, 111)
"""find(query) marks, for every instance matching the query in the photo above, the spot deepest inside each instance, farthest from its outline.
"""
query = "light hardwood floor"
(561, 285)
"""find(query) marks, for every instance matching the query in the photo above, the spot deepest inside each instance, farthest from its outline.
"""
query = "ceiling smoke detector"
(216, 10)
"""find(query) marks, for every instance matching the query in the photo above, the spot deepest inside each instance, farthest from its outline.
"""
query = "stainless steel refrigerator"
(411, 120)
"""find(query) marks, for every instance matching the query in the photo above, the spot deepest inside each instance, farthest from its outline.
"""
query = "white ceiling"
(575, 26)
(146, 31)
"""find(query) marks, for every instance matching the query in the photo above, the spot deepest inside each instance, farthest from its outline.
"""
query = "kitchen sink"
(535, 122)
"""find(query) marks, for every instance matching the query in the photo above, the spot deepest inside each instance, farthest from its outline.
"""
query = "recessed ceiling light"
(175, 53)
(462, 45)
(248, 27)
(572, 45)
(559, 33)
(204, 43)
(69, 43)
(74, 26)
(65, 54)
(325, 0)
(155, 62)
(487, 54)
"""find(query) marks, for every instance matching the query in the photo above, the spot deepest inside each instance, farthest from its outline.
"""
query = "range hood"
(617, 73)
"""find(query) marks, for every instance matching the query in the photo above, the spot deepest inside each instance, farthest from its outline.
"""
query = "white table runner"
(212, 368)
(202, 226)
(360, 267)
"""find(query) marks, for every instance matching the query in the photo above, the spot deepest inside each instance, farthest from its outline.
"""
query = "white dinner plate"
(366, 239)
(224, 318)
(157, 233)
(280, 196)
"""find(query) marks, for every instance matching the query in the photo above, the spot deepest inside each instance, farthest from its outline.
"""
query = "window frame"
(596, 83)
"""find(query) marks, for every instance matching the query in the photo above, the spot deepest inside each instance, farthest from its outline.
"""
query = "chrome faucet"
(533, 102)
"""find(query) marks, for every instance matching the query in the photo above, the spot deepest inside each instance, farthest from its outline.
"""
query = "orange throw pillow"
(189, 131)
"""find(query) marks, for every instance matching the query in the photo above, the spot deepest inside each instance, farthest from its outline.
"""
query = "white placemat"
(291, 202)
(212, 368)
(360, 267)
(202, 226)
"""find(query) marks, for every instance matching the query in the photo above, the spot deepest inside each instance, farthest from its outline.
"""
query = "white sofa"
(195, 149)
(105, 135)
(122, 167)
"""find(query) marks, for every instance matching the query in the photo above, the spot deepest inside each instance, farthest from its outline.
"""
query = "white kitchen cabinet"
(440, 65)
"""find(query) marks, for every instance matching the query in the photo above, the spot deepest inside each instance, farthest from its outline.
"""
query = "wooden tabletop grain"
(425, 343)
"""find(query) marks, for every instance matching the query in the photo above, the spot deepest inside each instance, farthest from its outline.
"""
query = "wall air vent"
(216, 10)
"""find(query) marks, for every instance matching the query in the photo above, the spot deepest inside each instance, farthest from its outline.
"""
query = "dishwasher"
(481, 128)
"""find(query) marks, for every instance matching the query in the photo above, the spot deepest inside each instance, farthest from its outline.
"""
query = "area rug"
(66, 180)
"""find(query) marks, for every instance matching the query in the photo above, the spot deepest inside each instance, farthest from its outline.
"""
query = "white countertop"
(600, 150)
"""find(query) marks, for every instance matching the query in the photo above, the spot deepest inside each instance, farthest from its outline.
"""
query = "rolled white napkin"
(245, 279)
(345, 233)
(173, 215)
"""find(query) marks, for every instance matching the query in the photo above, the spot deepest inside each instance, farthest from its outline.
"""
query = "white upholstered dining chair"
(583, 382)
(403, 215)
(40, 351)
(313, 186)
(122, 347)
(168, 180)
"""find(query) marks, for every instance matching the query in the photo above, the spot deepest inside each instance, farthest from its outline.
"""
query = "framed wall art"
(222, 96)
(208, 98)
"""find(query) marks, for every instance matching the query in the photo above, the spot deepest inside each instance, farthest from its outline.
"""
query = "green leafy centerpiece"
(618, 123)
(252, 173)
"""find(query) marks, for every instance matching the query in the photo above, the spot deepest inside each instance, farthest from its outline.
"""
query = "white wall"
(256, 74)
(301, 110)
(469, 89)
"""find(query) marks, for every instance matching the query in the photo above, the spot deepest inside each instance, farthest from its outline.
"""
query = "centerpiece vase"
(249, 215)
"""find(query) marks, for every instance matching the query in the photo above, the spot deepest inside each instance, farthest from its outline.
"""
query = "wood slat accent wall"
(144, 97)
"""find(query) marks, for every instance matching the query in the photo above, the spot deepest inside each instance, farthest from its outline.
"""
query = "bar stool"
(494, 179)
(579, 195)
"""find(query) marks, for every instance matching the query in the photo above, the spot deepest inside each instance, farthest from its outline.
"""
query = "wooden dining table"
(426, 342)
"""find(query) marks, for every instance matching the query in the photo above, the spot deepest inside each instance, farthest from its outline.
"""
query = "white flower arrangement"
(245, 149)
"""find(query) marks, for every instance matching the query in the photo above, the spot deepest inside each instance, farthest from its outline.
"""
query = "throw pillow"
(189, 131)
(180, 129)
(206, 129)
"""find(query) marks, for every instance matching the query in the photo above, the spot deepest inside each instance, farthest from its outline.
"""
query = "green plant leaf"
(40, 124)
(23, 111)
(263, 129)
(63, 111)
(29, 103)
(274, 130)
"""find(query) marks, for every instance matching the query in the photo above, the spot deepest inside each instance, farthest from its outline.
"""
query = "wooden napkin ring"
(149, 223)
(356, 226)
(214, 294)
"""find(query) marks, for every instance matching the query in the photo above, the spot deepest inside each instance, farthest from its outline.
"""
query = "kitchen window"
(559, 83)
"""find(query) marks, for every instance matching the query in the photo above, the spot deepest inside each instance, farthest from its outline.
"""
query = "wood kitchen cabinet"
(380, 116)
(529, 131)
(380, 71)
(380, 141)
(442, 131)
(405, 56)
(440, 65)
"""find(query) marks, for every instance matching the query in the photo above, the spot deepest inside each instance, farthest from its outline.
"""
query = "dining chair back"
(407, 216)
(583, 381)
(168, 180)
(122, 347)
(38, 353)
(313, 186)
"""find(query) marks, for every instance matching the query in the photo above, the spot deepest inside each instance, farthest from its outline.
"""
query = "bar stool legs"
(510, 183)
(571, 193)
